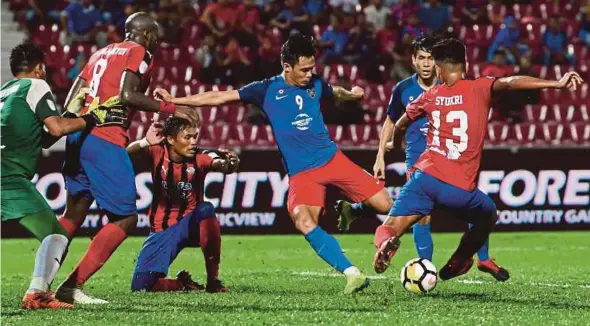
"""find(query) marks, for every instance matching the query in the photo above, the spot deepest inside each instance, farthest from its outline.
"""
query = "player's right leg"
(305, 204)
(21, 201)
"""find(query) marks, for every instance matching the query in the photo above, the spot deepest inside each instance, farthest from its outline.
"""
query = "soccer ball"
(419, 276)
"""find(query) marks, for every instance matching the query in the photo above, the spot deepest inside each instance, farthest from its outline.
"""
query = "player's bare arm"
(399, 131)
(212, 98)
(570, 80)
(153, 137)
(132, 96)
(384, 138)
(342, 94)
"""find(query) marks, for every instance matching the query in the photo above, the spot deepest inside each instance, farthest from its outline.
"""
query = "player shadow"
(546, 302)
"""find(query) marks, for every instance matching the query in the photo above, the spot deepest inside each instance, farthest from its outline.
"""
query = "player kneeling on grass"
(179, 217)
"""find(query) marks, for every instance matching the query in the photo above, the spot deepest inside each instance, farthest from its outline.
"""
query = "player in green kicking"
(30, 120)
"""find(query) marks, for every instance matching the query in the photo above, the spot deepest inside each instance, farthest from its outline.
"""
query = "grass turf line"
(279, 280)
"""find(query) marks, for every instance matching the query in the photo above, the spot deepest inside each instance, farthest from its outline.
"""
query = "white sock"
(352, 270)
(47, 262)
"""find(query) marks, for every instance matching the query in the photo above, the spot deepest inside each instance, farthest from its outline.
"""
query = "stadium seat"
(335, 132)
(234, 114)
(236, 135)
(578, 132)
(370, 134)
(529, 133)
(208, 115)
(264, 135)
(497, 132)
(553, 132)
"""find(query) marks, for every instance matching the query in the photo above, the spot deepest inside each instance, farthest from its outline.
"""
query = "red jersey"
(457, 116)
(177, 187)
(103, 74)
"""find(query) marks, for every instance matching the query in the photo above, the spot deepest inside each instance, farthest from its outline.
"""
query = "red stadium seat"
(578, 133)
(335, 132)
(529, 133)
(46, 35)
(234, 113)
(572, 113)
(375, 115)
(264, 135)
(208, 115)
(553, 133)
(369, 134)
(350, 135)
(521, 11)
(236, 135)
(497, 132)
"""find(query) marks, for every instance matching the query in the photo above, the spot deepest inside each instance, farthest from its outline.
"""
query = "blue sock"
(359, 209)
(328, 248)
(484, 252)
(423, 240)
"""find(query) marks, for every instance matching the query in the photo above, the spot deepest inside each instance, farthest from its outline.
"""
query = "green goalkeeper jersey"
(24, 104)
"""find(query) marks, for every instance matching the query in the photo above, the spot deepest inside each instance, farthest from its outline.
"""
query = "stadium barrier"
(534, 190)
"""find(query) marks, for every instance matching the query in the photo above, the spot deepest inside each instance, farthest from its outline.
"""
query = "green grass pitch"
(279, 280)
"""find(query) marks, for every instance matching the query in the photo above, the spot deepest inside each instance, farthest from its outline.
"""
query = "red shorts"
(309, 187)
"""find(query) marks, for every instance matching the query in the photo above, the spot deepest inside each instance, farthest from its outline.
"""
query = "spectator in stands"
(402, 55)
(293, 19)
(361, 44)
(435, 15)
(250, 24)
(497, 68)
(169, 20)
(508, 39)
(81, 61)
(268, 56)
(81, 22)
(345, 6)
(334, 41)
(474, 12)
(42, 12)
(584, 34)
(402, 10)
(554, 44)
(386, 41)
(222, 18)
(207, 57)
(511, 104)
(376, 14)
(316, 10)
(496, 12)
(413, 26)
(235, 64)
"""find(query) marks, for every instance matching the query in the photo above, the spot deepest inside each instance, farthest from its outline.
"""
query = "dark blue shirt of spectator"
(434, 15)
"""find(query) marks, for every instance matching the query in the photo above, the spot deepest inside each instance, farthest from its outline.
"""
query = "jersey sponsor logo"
(311, 92)
(302, 121)
(449, 100)
(181, 190)
(281, 94)
(4, 93)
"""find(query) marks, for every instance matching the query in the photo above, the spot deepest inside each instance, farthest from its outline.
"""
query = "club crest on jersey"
(311, 92)
(190, 170)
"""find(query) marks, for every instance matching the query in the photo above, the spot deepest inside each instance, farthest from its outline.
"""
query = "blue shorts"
(161, 248)
(96, 168)
(423, 192)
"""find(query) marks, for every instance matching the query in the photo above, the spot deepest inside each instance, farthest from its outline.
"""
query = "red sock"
(167, 285)
(210, 238)
(69, 226)
(383, 233)
(102, 246)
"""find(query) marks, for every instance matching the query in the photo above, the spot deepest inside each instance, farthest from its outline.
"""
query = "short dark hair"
(450, 50)
(25, 57)
(424, 43)
(175, 125)
(297, 45)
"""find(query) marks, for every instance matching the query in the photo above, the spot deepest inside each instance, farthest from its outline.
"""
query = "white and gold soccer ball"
(419, 276)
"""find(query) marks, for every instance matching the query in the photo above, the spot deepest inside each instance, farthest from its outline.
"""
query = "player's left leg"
(480, 211)
(423, 238)
(204, 231)
(488, 265)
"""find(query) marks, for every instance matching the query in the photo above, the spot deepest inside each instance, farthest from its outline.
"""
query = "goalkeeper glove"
(109, 113)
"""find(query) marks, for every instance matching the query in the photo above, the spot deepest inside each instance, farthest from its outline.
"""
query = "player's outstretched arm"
(212, 98)
(227, 164)
(341, 94)
(131, 95)
(570, 80)
(385, 137)
(153, 137)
